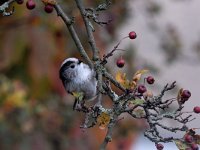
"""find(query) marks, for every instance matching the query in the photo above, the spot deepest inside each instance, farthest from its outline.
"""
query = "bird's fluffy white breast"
(84, 72)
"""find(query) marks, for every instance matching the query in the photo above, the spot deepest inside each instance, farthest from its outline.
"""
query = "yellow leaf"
(197, 139)
(121, 78)
(143, 71)
(179, 95)
(103, 120)
(138, 74)
(181, 144)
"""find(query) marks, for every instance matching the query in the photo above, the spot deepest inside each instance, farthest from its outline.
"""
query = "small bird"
(78, 77)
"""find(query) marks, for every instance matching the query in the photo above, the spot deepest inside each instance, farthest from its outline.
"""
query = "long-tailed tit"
(78, 77)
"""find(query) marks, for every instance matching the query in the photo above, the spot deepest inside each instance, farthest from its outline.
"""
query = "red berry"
(132, 35)
(186, 94)
(30, 4)
(150, 80)
(196, 109)
(48, 8)
(194, 146)
(20, 2)
(188, 138)
(120, 62)
(159, 146)
(141, 89)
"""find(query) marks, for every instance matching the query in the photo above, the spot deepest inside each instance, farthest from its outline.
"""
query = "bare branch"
(111, 79)
(69, 24)
(109, 133)
(6, 5)
(89, 30)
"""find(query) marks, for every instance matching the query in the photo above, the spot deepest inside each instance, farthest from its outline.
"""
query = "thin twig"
(89, 29)
(69, 24)
(105, 57)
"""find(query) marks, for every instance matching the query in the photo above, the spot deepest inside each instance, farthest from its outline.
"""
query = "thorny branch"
(152, 109)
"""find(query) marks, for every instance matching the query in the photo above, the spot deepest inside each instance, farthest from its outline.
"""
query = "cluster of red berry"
(30, 4)
(189, 139)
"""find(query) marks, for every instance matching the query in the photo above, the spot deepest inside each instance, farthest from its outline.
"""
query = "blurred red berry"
(196, 109)
(194, 146)
(186, 94)
(132, 35)
(30, 4)
(159, 146)
(48, 8)
(141, 89)
(20, 2)
(150, 80)
(188, 138)
(120, 62)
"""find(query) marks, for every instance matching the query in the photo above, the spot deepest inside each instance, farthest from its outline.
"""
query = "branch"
(111, 79)
(73, 33)
(166, 88)
(105, 57)
(89, 30)
(6, 5)
(108, 137)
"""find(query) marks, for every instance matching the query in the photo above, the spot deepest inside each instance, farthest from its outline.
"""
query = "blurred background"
(35, 111)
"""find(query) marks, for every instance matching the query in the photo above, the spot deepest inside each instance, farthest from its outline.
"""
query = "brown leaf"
(103, 120)
(139, 74)
(179, 96)
(197, 139)
(139, 113)
(181, 145)
(121, 78)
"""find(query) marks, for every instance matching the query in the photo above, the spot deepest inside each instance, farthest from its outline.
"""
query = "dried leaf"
(121, 78)
(103, 120)
(179, 95)
(148, 94)
(181, 145)
(137, 101)
(138, 74)
(139, 113)
(197, 139)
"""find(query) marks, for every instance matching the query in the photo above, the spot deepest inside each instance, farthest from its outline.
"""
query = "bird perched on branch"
(78, 78)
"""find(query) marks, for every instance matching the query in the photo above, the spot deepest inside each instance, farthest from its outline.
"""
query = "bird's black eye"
(72, 66)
